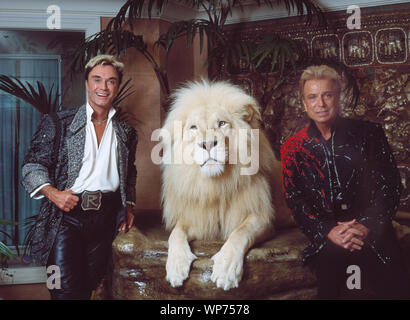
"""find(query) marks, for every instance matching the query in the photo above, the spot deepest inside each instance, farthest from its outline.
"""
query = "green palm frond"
(6, 234)
(123, 92)
(268, 55)
(134, 9)
(116, 42)
(39, 99)
(217, 10)
(273, 51)
(29, 226)
(115, 39)
(190, 29)
(302, 7)
(4, 249)
(233, 54)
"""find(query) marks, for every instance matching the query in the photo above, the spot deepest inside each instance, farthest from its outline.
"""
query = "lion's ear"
(251, 113)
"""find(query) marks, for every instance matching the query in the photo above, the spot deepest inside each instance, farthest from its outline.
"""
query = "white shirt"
(99, 170)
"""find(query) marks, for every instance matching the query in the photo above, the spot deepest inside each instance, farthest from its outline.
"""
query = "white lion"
(211, 188)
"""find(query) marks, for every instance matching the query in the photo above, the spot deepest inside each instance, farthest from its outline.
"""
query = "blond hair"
(320, 72)
(105, 60)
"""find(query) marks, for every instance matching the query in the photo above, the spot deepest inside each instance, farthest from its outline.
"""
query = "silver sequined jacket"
(55, 157)
(353, 175)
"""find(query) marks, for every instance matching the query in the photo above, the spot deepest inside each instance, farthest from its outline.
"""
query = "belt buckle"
(91, 200)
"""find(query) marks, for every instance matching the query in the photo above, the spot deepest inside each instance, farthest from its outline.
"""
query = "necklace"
(99, 122)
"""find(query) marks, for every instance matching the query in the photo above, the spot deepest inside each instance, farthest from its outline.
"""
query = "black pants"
(82, 249)
(387, 281)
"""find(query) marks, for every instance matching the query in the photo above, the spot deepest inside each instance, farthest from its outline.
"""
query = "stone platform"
(272, 270)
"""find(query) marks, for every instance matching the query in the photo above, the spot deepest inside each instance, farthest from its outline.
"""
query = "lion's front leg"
(228, 266)
(180, 256)
(228, 262)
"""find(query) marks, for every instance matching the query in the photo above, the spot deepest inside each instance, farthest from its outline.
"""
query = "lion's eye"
(222, 124)
(193, 127)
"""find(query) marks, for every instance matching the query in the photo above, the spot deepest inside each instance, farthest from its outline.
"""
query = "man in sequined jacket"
(81, 164)
(341, 182)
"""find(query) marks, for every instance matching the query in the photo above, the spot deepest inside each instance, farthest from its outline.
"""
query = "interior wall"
(185, 64)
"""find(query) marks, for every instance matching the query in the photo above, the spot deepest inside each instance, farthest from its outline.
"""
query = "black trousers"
(82, 249)
(386, 281)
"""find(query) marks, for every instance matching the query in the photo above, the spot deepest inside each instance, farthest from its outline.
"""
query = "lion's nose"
(208, 145)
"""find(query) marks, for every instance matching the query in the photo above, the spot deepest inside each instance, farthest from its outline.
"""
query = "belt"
(92, 200)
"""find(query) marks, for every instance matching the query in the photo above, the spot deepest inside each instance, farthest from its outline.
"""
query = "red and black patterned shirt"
(352, 175)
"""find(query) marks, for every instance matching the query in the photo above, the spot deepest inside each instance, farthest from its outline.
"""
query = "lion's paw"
(228, 269)
(177, 267)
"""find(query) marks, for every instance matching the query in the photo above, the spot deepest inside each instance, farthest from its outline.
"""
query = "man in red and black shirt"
(343, 187)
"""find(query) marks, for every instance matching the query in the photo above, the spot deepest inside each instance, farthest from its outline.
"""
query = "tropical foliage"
(41, 100)
(5, 251)
(120, 36)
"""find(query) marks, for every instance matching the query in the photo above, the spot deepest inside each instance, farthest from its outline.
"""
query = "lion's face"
(206, 133)
(214, 119)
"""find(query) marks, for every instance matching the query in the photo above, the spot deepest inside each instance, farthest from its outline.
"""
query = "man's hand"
(64, 200)
(353, 233)
(125, 225)
(349, 235)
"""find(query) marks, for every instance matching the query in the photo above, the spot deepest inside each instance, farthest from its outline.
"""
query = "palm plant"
(118, 38)
(5, 252)
(39, 99)
(270, 60)
(42, 101)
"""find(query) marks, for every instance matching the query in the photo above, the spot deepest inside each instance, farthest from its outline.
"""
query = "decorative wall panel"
(358, 48)
(391, 46)
(326, 46)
